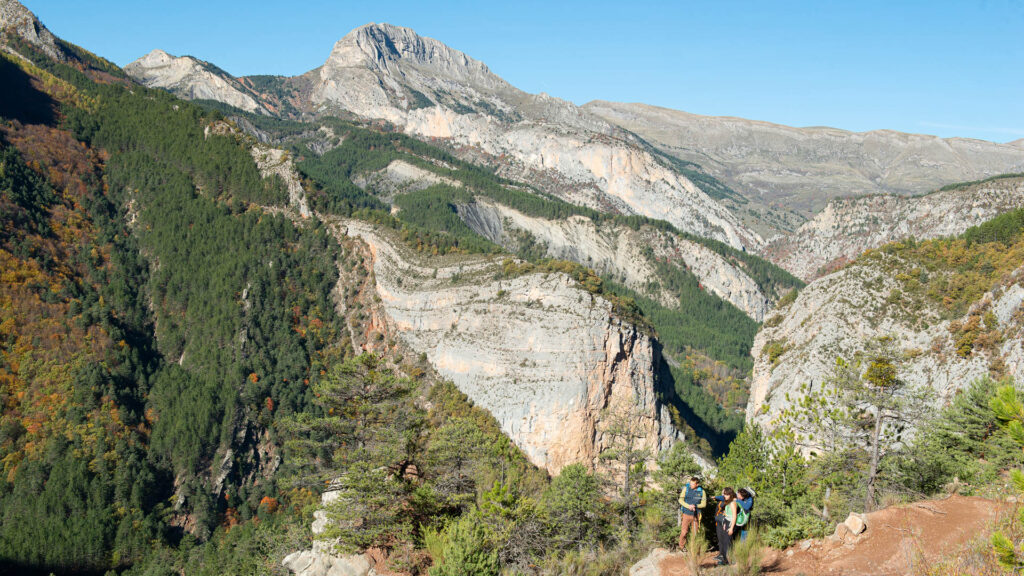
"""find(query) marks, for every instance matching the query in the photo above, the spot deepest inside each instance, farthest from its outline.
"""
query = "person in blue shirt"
(691, 500)
(745, 500)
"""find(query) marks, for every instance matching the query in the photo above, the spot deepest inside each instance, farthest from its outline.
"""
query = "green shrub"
(466, 550)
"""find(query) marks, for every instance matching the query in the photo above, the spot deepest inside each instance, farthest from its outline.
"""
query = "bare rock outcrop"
(16, 20)
(848, 227)
(277, 162)
(804, 168)
(400, 177)
(650, 565)
(192, 79)
(836, 314)
(545, 357)
(619, 251)
(322, 559)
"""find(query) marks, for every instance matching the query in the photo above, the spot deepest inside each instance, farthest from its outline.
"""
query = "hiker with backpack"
(691, 499)
(725, 523)
(745, 503)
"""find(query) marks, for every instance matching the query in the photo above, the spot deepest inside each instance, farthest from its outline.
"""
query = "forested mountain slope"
(171, 321)
(158, 323)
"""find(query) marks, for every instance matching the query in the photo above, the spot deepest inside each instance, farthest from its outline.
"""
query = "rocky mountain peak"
(382, 66)
(191, 78)
(384, 45)
(19, 21)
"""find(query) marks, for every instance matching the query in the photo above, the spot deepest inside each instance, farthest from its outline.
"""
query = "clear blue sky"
(939, 67)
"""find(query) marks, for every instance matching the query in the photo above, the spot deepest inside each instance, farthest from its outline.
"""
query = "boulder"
(314, 563)
(857, 523)
(651, 565)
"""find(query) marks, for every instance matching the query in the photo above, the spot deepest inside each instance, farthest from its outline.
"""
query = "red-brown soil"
(900, 540)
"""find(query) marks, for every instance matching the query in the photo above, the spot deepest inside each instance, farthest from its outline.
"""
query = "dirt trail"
(898, 541)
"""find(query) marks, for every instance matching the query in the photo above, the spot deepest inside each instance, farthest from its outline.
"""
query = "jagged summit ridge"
(382, 70)
(386, 44)
(431, 90)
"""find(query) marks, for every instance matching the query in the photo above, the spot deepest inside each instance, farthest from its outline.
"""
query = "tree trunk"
(869, 497)
(627, 499)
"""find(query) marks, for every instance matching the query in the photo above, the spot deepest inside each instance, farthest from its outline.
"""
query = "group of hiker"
(732, 513)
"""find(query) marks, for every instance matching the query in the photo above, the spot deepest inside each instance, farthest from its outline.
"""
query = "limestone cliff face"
(543, 356)
(619, 251)
(804, 168)
(190, 78)
(834, 315)
(848, 227)
(16, 20)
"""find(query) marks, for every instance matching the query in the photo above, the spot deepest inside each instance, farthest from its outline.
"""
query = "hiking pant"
(724, 539)
(685, 521)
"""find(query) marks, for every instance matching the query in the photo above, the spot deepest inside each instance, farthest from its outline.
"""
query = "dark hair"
(729, 493)
(695, 479)
(744, 494)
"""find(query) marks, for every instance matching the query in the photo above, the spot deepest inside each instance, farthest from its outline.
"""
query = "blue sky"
(939, 67)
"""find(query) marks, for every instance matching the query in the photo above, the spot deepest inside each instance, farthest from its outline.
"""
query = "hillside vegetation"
(697, 323)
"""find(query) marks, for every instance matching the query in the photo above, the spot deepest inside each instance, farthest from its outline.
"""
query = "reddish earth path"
(900, 540)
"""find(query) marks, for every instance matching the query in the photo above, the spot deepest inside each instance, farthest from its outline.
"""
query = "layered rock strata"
(384, 72)
(620, 252)
(545, 357)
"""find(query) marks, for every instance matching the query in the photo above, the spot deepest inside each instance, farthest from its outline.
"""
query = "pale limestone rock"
(430, 90)
(19, 21)
(836, 314)
(542, 355)
(313, 563)
(618, 252)
(651, 564)
(190, 78)
(856, 523)
(400, 177)
(272, 161)
(848, 227)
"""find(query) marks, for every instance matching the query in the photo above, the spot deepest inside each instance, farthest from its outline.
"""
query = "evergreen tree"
(573, 506)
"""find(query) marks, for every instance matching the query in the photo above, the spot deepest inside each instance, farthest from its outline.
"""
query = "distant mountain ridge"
(804, 168)
(849, 226)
